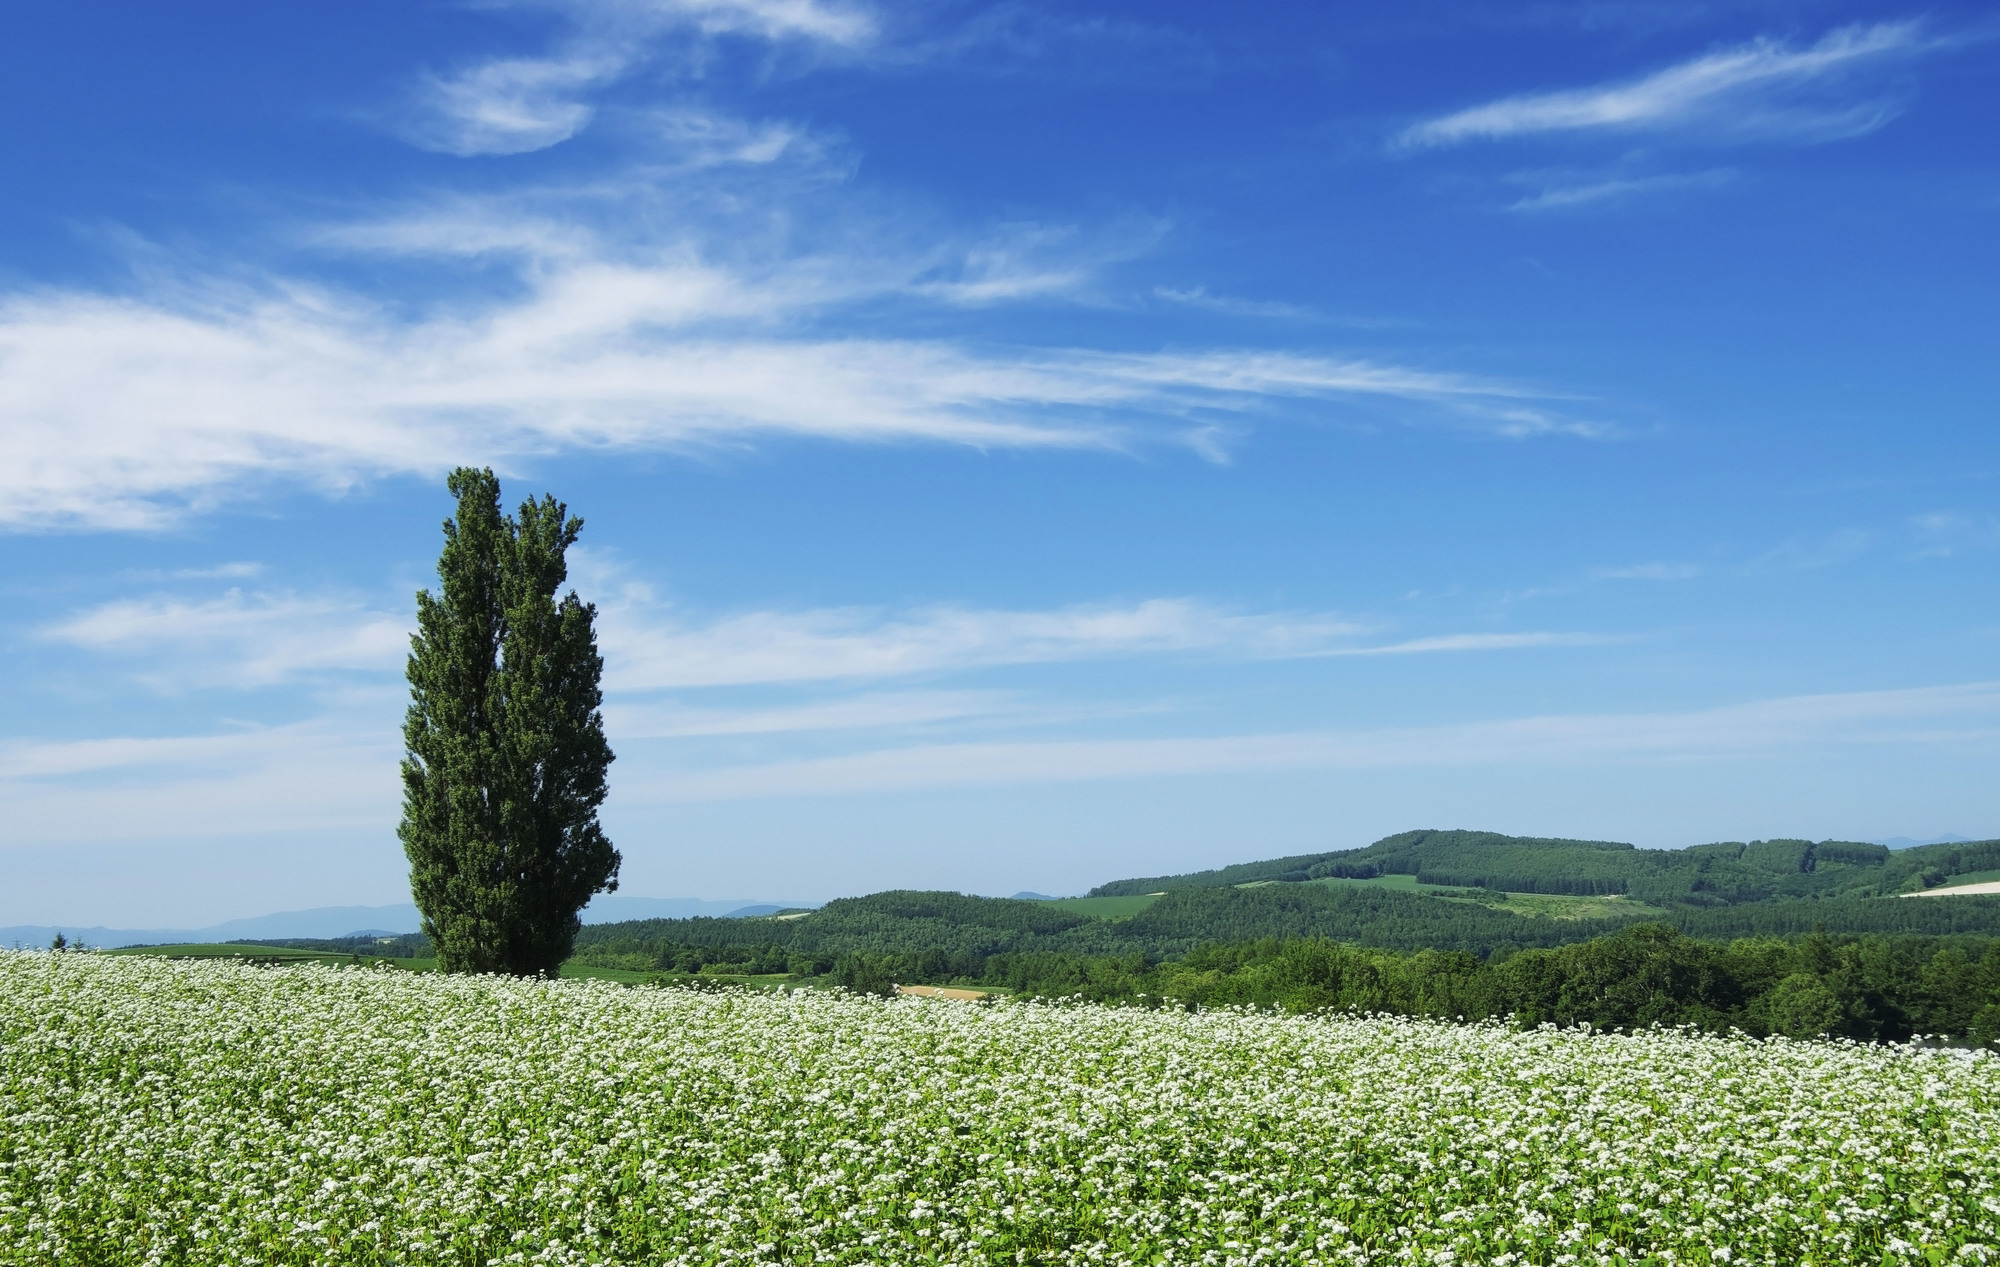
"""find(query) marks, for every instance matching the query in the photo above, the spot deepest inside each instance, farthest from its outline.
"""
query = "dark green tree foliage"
(1879, 989)
(1884, 989)
(1186, 918)
(972, 930)
(1298, 867)
(1722, 874)
(506, 758)
(1979, 916)
(1307, 948)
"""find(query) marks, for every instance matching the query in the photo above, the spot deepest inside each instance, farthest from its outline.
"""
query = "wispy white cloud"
(701, 138)
(1598, 576)
(508, 106)
(1557, 197)
(1474, 642)
(1934, 716)
(1229, 305)
(62, 759)
(1948, 532)
(899, 710)
(1815, 550)
(237, 570)
(654, 306)
(340, 770)
(1646, 572)
(239, 641)
(513, 105)
(1019, 38)
(246, 641)
(121, 412)
(1026, 261)
(1761, 88)
(333, 772)
(646, 652)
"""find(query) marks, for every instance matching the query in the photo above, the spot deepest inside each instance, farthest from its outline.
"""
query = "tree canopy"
(506, 756)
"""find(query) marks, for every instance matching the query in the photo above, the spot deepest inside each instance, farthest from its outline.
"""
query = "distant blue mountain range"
(1904, 842)
(371, 921)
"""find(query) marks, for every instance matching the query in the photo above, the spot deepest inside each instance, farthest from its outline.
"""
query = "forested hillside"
(1873, 989)
(1724, 874)
(1778, 936)
(959, 925)
(966, 931)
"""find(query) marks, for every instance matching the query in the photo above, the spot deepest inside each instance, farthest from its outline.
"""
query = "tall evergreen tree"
(506, 757)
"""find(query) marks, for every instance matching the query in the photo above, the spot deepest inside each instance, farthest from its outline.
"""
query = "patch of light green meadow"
(211, 1112)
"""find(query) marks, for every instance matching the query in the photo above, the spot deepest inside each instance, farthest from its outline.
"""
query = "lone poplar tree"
(506, 752)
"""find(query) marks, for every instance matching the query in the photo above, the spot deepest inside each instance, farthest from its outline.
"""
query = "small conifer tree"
(506, 756)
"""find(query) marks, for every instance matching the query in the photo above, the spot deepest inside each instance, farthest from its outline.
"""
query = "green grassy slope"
(1970, 877)
(1722, 874)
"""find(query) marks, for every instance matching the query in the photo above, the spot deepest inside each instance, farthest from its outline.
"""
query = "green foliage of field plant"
(202, 1112)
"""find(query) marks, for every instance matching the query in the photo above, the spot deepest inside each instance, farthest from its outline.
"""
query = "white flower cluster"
(190, 1112)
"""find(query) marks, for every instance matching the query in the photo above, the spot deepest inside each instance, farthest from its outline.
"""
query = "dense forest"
(1874, 988)
(1728, 873)
(1770, 937)
(954, 924)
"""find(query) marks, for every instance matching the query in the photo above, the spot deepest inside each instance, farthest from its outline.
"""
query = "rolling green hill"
(1470, 924)
(1104, 907)
(1723, 874)
(967, 931)
(1476, 892)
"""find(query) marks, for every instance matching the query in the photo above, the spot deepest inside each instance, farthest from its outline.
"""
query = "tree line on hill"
(1878, 988)
(954, 924)
(1871, 969)
(1873, 989)
(1882, 989)
(402, 946)
(1729, 873)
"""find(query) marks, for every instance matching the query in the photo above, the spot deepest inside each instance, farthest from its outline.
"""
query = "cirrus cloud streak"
(121, 413)
(1739, 91)
(1955, 715)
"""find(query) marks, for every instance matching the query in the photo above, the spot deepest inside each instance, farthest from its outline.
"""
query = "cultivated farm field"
(191, 1111)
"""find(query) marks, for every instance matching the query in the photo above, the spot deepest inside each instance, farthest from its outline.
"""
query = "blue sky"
(1020, 444)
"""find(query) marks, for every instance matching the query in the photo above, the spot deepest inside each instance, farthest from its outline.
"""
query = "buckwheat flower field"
(201, 1112)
